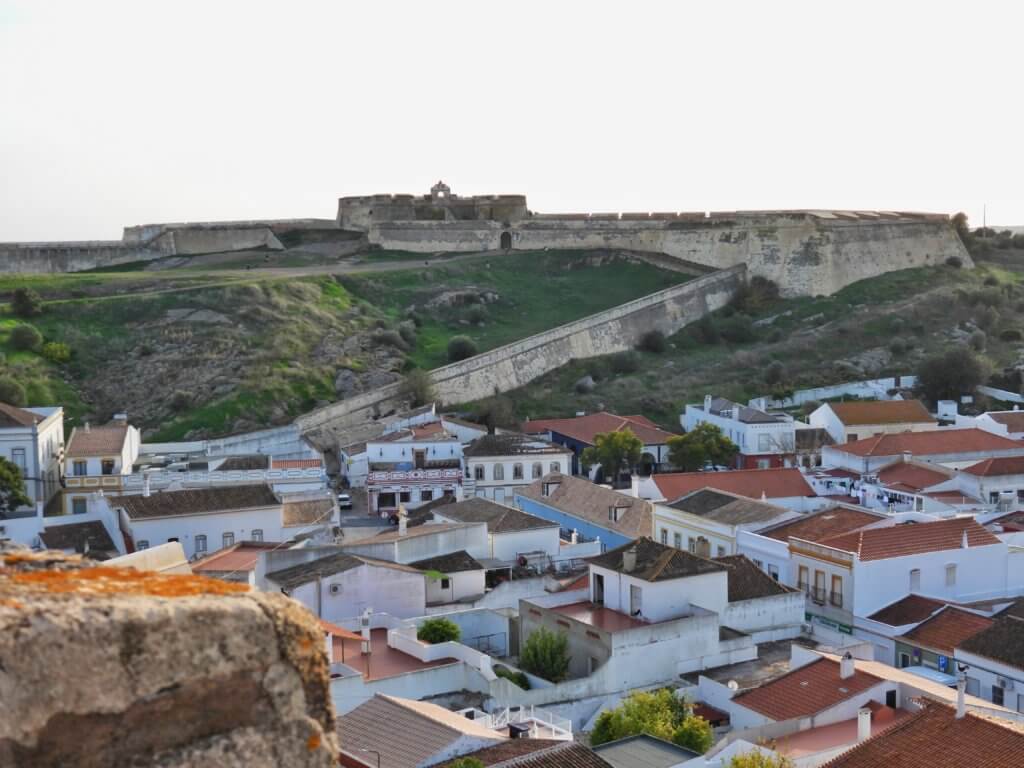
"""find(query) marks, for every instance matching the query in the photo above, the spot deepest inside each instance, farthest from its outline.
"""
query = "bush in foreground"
(438, 630)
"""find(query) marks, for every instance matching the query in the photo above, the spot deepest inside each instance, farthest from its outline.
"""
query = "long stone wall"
(519, 363)
(805, 253)
(46, 258)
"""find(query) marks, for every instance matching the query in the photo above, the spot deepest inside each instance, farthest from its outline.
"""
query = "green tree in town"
(12, 487)
(955, 372)
(702, 445)
(546, 654)
(659, 713)
(615, 452)
(757, 759)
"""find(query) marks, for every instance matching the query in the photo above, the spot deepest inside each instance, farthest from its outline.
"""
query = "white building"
(456, 577)
(707, 522)
(33, 440)
(204, 520)
(860, 419)
(498, 465)
(953, 448)
(765, 440)
(1007, 423)
(98, 459)
(995, 660)
(408, 470)
(409, 544)
(511, 533)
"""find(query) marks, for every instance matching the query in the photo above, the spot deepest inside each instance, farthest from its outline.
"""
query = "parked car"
(344, 501)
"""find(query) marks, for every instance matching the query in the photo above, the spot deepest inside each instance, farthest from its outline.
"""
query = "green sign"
(846, 629)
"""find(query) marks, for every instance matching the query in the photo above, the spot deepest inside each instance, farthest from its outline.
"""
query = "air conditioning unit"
(1006, 685)
(335, 589)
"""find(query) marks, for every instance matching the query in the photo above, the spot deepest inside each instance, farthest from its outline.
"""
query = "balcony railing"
(415, 476)
(818, 595)
(836, 599)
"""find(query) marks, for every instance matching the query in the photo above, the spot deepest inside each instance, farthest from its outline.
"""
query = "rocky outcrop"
(103, 666)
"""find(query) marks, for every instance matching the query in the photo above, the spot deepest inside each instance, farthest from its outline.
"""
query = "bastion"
(105, 666)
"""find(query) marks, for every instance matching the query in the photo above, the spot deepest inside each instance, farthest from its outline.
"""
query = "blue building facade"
(586, 529)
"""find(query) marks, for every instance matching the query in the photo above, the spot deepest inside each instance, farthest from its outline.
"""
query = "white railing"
(164, 479)
(414, 476)
(542, 724)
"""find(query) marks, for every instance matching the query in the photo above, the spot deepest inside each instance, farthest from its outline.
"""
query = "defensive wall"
(516, 364)
(804, 252)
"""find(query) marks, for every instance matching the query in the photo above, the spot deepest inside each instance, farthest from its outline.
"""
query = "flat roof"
(598, 616)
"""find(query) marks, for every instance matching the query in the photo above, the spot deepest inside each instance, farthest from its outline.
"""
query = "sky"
(122, 113)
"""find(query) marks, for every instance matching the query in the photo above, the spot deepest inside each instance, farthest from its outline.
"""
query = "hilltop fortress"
(808, 252)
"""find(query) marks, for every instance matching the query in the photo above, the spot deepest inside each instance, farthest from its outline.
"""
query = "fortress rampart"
(520, 362)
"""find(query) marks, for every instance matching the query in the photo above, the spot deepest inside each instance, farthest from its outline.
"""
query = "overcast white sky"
(119, 113)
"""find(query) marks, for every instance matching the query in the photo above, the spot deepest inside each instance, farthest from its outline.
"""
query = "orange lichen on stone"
(313, 742)
(35, 557)
(118, 581)
(10, 602)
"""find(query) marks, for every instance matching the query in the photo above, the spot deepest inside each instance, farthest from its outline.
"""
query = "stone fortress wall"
(520, 362)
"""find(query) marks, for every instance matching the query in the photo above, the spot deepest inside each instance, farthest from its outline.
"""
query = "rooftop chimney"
(145, 484)
(85, 427)
(963, 540)
(364, 626)
(403, 520)
(629, 560)
(863, 724)
(707, 403)
(961, 687)
(846, 666)
(907, 456)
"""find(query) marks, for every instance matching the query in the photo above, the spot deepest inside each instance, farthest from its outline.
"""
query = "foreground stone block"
(105, 666)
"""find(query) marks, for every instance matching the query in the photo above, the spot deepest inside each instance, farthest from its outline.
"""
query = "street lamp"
(374, 751)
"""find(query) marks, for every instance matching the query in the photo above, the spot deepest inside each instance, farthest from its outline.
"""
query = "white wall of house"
(508, 546)
(383, 590)
(454, 587)
(678, 529)
(498, 477)
(984, 674)
(405, 451)
(36, 450)
(464, 432)
(825, 418)
(664, 600)
(770, 555)
(753, 439)
(240, 525)
(472, 538)
(765, 614)
(123, 460)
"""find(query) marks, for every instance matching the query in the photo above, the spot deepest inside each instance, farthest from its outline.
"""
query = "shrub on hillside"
(546, 654)
(418, 388)
(986, 317)
(11, 391)
(977, 341)
(56, 351)
(624, 362)
(407, 330)
(180, 400)
(738, 329)
(382, 337)
(439, 630)
(652, 341)
(773, 373)
(1010, 334)
(947, 376)
(26, 303)
(26, 337)
(460, 347)
(955, 261)
(705, 331)
(756, 295)
(476, 314)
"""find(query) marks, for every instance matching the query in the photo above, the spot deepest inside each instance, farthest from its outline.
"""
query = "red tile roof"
(911, 476)
(931, 442)
(296, 464)
(1005, 465)
(935, 738)
(12, 416)
(805, 691)
(752, 483)
(238, 557)
(584, 428)
(823, 525)
(912, 539)
(946, 630)
(96, 441)
(1012, 420)
(907, 610)
(882, 412)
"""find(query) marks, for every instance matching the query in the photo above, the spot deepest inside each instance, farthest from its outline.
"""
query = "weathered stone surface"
(108, 667)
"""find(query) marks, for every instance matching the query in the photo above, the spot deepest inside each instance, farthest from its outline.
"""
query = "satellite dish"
(732, 685)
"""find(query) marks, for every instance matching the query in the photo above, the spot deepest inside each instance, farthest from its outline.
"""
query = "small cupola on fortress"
(440, 191)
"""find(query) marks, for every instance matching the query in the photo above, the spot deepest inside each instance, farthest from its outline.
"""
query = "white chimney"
(145, 484)
(634, 486)
(629, 560)
(403, 520)
(575, 538)
(863, 724)
(364, 626)
(907, 456)
(707, 403)
(85, 428)
(846, 666)
(961, 687)
(963, 540)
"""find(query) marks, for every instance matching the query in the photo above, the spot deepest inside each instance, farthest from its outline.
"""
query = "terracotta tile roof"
(236, 463)
(307, 512)
(935, 441)
(329, 565)
(1003, 641)
(511, 444)
(913, 476)
(728, 508)
(91, 535)
(946, 630)
(429, 529)
(1004, 465)
(238, 557)
(581, 498)
(336, 631)
(1012, 420)
(584, 428)
(12, 416)
(537, 753)
(196, 501)
(656, 562)
(805, 691)
(822, 525)
(415, 730)
(752, 483)
(748, 582)
(882, 412)
(907, 610)
(912, 539)
(499, 518)
(96, 441)
(935, 738)
(296, 464)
